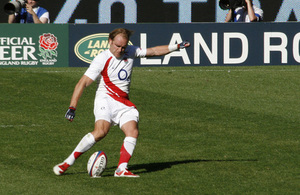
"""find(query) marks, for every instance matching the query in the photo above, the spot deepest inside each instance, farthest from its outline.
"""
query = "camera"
(14, 6)
(224, 4)
(231, 4)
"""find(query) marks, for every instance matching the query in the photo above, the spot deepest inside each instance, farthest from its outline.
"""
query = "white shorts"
(117, 113)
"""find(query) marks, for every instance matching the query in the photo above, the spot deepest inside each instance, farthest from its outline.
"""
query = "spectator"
(32, 13)
(247, 13)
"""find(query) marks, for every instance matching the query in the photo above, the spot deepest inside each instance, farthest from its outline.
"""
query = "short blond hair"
(122, 31)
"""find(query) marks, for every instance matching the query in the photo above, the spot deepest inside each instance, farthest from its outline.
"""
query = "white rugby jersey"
(114, 74)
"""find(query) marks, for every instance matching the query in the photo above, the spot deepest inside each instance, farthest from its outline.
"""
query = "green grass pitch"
(203, 130)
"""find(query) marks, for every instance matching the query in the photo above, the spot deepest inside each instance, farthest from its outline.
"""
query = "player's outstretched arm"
(84, 82)
(165, 49)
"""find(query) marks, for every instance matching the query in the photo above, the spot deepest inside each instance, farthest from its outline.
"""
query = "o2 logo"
(123, 75)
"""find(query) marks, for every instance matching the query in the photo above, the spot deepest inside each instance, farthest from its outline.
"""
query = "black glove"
(184, 44)
(70, 114)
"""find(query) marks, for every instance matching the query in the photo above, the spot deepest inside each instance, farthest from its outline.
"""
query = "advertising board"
(212, 44)
(32, 45)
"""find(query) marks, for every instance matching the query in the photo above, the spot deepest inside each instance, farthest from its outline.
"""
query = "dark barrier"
(155, 11)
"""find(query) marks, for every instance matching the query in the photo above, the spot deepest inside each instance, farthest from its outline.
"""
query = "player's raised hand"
(70, 114)
(184, 44)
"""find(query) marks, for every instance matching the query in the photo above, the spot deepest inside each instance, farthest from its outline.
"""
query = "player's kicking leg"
(101, 130)
(85, 144)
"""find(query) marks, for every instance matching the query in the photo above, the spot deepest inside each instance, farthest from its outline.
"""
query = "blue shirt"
(25, 17)
(241, 15)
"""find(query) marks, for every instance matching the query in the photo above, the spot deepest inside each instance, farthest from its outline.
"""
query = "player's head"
(118, 41)
(120, 31)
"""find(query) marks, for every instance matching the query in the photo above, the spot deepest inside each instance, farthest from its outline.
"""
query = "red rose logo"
(48, 45)
(48, 41)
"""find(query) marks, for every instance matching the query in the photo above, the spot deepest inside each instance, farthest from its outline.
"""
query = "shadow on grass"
(153, 167)
(159, 166)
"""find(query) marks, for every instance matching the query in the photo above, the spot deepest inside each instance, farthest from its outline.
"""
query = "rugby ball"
(97, 164)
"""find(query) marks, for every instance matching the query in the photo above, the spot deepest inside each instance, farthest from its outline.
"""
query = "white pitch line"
(8, 126)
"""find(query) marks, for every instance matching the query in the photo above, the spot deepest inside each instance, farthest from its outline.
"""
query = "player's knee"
(99, 134)
(135, 133)
(130, 129)
(101, 129)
